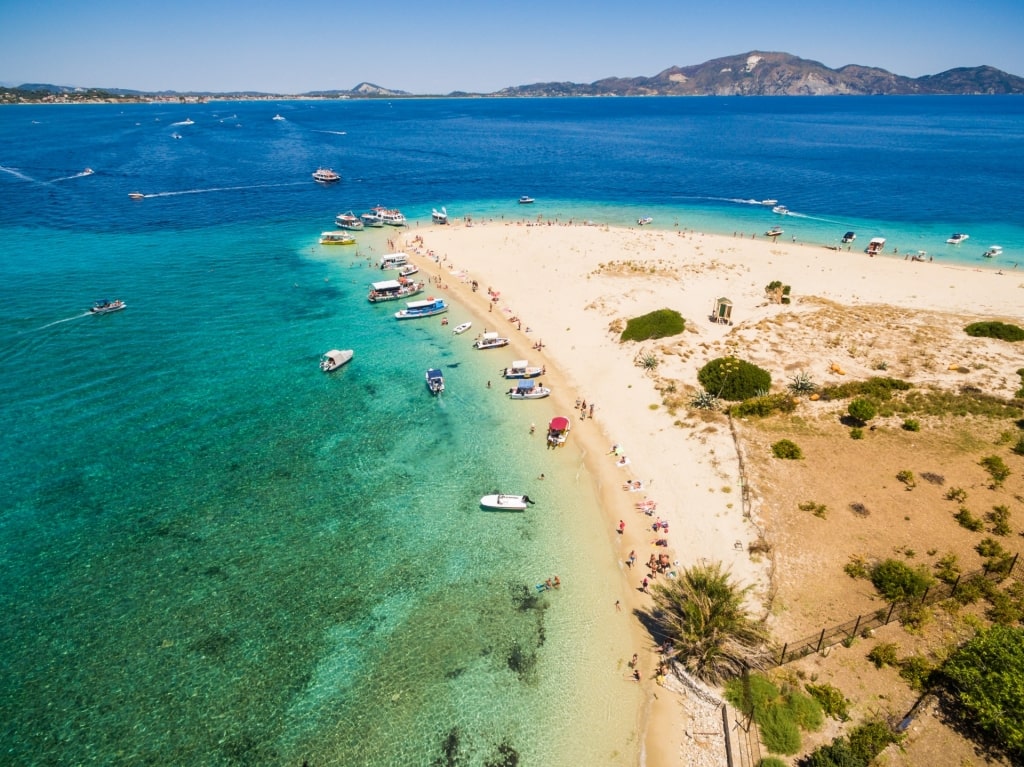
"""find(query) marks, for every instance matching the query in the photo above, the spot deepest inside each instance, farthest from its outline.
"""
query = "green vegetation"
(856, 433)
(862, 410)
(898, 582)
(884, 654)
(704, 400)
(906, 476)
(787, 450)
(771, 761)
(1018, 448)
(702, 614)
(777, 292)
(779, 714)
(734, 379)
(996, 468)
(864, 743)
(985, 678)
(1000, 519)
(968, 520)
(997, 559)
(911, 424)
(917, 671)
(947, 569)
(802, 385)
(764, 406)
(877, 389)
(957, 494)
(817, 509)
(831, 699)
(1002, 331)
(657, 324)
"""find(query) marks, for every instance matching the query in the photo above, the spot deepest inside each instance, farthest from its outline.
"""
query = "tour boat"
(389, 216)
(558, 431)
(391, 290)
(957, 238)
(416, 309)
(349, 221)
(523, 369)
(106, 307)
(337, 238)
(993, 251)
(408, 270)
(393, 260)
(503, 502)
(524, 200)
(435, 381)
(439, 216)
(325, 176)
(490, 341)
(462, 328)
(875, 246)
(334, 359)
(782, 210)
(528, 390)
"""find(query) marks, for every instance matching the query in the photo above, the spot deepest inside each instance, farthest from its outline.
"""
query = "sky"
(483, 46)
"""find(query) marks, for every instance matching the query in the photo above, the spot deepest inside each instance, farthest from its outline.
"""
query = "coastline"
(568, 283)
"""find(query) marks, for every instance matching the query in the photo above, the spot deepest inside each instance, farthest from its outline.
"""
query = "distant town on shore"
(747, 74)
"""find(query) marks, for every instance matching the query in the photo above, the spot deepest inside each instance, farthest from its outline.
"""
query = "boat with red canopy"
(558, 430)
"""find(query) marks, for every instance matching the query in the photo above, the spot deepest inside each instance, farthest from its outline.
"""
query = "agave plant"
(704, 400)
(649, 361)
(802, 384)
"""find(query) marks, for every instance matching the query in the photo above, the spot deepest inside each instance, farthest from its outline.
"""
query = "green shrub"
(1019, 447)
(957, 494)
(764, 406)
(831, 700)
(1000, 519)
(857, 568)
(996, 468)
(862, 410)
(968, 520)
(884, 654)
(917, 671)
(878, 389)
(817, 509)
(771, 761)
(856, 433)
(947, 569)
(734, 379)
(911, 424)
(657, 324)
(1002, 331)
(906, 476)
(787, 450)
(805, 710)
(899, 582)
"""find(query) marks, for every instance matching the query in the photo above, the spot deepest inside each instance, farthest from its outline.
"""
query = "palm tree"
(712, 635)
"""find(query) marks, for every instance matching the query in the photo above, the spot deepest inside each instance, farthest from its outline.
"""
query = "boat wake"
(184, 122)
(86, 172)
(16, 173)
(58, 322)
(333, 132)
(222, 189)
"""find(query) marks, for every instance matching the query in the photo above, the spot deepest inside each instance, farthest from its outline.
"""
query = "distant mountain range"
(748, 74)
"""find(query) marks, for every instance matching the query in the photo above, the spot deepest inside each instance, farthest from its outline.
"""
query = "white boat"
(393, 260)
(644, 221)
(921, 255)
(462, 328)
(490, 341)
(370, 218)
(277, 117)
(389, 216)
(408, 270)
(993, 251)
(391, 290)
(782, 210)
(334, 359)
(349, 220)
(957, 237)
(875, 246)
(558, 430)
(528, 390)
(769, 202)
(849, 237)
(435, 381)
(523, 369)
(775, 231)
(106, 307)
(136, 195)
(439, 216)
(325, 176)
(416, 309)
(524, 200)
(503, 502)
(337, 238)
(175, 135)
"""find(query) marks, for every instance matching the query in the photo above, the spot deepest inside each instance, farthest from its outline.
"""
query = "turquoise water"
(211, 553)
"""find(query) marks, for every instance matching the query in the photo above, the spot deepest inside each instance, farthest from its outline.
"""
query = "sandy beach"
(569, 289)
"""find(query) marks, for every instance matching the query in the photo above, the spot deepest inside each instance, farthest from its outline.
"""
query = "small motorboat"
(644, 221)
(558, 430)
(136, 195)
(528, 389)
(277, 117)
(439, 216)
(462, 328)
(106, 307)
(334, 359)
(957, 237)
(769, 202)
(782, 210)
(325, 176)
(490, 341)
(408, 270)
(993, 251)
(435, 381)
(524, 200)
(849, 237)
(523, 369)
(775, 231)
(503, 502)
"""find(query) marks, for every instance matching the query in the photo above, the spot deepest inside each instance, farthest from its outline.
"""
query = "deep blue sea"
(213, 554)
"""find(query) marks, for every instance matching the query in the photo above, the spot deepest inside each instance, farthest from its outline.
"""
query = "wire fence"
(834, 635)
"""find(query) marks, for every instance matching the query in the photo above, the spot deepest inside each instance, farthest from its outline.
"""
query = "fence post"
(956, 584)
(889, 616)
(821, 640)
(856, 626)
(782, 658)
(1013, 564)
(924, 596)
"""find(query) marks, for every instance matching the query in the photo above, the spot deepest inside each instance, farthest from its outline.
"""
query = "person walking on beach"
(643, 586)
(622, 527)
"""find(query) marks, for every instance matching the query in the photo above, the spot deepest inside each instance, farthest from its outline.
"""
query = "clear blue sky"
(447, 45)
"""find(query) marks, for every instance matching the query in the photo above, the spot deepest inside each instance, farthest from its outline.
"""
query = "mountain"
(781, 74)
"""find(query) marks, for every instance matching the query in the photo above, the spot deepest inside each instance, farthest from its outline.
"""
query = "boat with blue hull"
(416, 309)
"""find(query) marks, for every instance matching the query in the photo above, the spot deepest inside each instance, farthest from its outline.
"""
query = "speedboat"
(349, 221)
(462, 328)
(106, 307)
(490, 341)
(337, 238)
(503, 502)
(782, 210)
(416, 309)
(325, 176)
(993, 251)
(528, 390)
(391, 290)
(957, 238)
(523, 369)
(558, 430)
(644, 221)
(439, 216)
(769, 202)
(775, 231)
(277, 117)
(136, 195)
(524, 200)
(435, 381)
(849, 237)
(334, 359)
(408, 270)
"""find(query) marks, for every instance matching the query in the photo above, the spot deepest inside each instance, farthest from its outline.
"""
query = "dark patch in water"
(215, 572)
(455, 673)
(215, 646)
(506, 757)
(451, 751)
(246, 749)
(524, 664)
